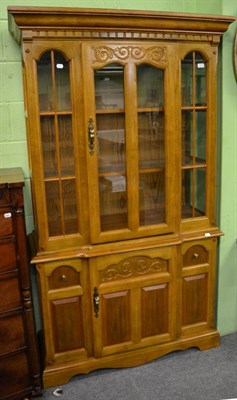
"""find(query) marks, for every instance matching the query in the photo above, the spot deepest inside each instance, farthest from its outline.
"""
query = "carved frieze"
(156, 54)
(133, 266)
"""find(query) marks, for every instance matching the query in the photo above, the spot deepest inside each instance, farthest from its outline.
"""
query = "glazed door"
(198, 136)
(133, 300)
(56, 123)
(130, 152)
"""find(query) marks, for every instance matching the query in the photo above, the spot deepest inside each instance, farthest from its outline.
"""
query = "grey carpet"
(181, 375)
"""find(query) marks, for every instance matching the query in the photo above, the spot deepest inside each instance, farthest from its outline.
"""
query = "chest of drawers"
(19, 362)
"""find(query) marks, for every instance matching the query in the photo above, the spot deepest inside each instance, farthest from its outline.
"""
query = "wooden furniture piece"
(19, 364)
(121, 120)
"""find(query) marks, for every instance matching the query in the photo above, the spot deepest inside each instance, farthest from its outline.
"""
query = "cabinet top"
(46, 18)
(10, 176)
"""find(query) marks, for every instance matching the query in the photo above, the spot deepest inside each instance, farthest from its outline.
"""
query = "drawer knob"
(196, 255)
(63, 278)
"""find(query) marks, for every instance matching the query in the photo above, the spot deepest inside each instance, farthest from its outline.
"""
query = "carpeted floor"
(182, 375)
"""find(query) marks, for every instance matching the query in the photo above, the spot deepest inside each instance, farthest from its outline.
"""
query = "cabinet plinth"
(122, 144)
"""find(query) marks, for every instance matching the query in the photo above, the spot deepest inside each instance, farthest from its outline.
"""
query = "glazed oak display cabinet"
(121, 120)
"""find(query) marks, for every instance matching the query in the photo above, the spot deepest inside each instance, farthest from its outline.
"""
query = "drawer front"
(195, 255)
(6, 224)
(4, 197)
(8, 261)
(63, 277)
(11, 334)
(10, 294)
(15, 371)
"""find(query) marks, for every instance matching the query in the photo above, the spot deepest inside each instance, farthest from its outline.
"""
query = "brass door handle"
(96, 302)
(91, 135)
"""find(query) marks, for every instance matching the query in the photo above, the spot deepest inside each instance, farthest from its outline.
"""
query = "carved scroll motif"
(133, 266)
(156, 54)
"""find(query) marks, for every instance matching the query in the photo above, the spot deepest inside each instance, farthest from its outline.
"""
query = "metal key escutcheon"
(91, 135)
(96, 301)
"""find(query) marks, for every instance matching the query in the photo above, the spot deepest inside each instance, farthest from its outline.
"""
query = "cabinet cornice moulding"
(22, 19)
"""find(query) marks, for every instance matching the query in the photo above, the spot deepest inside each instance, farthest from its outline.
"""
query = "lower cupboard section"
(125, 309)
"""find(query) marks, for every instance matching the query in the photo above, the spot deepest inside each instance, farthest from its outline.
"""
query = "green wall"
(13, 147)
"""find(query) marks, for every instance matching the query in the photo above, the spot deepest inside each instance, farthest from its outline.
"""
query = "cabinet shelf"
(194, 166)
(150, 170)
(150, 109)
(107, 171)
(194, 108)
(53, 113)
(111, 111)
(61, 178)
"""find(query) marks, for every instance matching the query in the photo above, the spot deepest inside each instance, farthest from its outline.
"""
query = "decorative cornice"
(106, 22)
(52, 34)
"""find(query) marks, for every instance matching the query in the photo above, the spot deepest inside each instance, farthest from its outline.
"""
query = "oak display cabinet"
(121, 121)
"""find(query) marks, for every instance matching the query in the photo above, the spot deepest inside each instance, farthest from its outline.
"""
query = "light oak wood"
(122, 148)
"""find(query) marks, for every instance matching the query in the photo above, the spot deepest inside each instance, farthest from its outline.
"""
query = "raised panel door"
(134, 300)
(198, 285)
(66, 310)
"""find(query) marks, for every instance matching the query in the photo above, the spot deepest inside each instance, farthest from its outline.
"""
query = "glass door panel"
(151, 139)
(53, 208)
(194, 114)
(201, 137)
(45, 84)
(48, 138)
(63, 97)
(193, 195)
(69, 206)
(109, 92)
(111, 142)
(150, 89)
(113, 202)
(66, 145)
(111, 137)
(194, 80)
(187, 137)
(193, 154)
(200, 75)
(152, 198)
(57, 144)
(151, 144)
